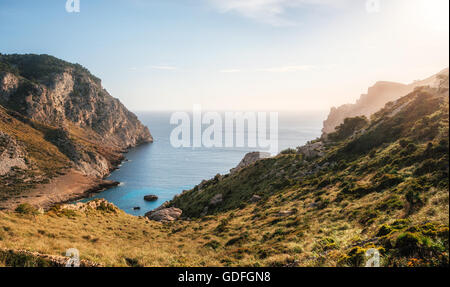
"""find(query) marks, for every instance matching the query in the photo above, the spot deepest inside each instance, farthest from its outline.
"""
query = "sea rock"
(218, 198)
(150, 197)
(165, 214)
(250, 158)
(136, 208)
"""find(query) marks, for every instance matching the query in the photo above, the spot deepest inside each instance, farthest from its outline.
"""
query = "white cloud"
(268, 11)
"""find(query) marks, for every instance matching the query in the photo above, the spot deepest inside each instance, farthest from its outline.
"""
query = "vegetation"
(333, 208)
(381, 184)
(39, 68)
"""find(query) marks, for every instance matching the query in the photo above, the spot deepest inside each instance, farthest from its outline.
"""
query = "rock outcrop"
(218, 198)
(250, 158)
(54, 92)
(97, 204)
(375, 99)
(164, 214)
(311, 150)
(11, 154)
(56, 118)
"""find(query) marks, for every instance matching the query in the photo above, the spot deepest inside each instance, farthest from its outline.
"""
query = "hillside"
(56, 120)
(372, 184)
(377, 96)
(380, 183)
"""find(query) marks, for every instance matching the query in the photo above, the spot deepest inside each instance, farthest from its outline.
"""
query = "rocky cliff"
(55, 117)
(57, 93)
(375, 99)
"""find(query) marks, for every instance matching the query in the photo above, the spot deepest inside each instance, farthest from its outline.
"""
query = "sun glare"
(430, 14)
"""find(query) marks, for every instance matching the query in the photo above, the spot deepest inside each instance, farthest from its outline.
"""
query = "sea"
(163, 170)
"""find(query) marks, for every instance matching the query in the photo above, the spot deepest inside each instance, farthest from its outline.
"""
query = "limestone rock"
(96, 204)
(93, 129)
(218, 198)
(165, 214)
(255, 198)
(11, 154)
(250, 158)
(311, 150)
(375, 99)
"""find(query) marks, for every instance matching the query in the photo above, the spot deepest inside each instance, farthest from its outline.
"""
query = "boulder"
(255, 198)
(312, 150)
(164, 214)
(250, 158)
(284, 213)
(218, 198)
(151, 197)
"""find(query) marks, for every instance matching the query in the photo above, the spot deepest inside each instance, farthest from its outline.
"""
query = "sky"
(253, 55)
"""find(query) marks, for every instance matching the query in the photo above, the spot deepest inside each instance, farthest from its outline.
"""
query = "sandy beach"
(66, 188)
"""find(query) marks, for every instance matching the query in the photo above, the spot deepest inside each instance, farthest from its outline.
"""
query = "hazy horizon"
(249, 55)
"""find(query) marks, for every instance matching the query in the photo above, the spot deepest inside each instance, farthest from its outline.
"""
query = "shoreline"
(67, 188)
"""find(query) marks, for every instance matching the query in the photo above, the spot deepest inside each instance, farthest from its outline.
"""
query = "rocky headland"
(61, 132)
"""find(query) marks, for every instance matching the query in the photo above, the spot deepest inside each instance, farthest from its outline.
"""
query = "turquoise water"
(165, 171)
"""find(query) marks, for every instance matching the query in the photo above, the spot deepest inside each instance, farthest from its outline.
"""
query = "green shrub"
(26, 208)
(348, 128)
(384, 230)
(408, 243)
(214, 244)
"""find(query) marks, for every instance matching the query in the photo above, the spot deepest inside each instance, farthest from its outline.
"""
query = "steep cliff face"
(55, 92)
(56, 117)
(375, 99)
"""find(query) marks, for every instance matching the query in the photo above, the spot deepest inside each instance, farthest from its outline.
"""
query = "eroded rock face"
(70, 94)
(377, 96)
(8, 85)
(164, 214)
(218, 198)
(11, 154)
(311, 150)
(250, 158)
(81, 119)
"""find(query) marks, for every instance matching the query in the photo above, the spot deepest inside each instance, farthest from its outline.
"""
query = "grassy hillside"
(379, 184)
(43, 158)
(382, 183)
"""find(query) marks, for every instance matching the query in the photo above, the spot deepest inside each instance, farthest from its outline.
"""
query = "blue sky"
(235, 54)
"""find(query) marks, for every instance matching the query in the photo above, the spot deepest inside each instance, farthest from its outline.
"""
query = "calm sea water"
(165, 171)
